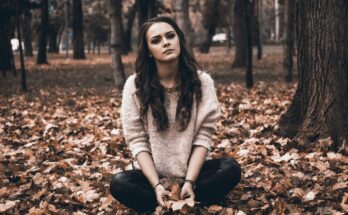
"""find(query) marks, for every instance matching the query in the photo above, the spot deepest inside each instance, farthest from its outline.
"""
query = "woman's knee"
(118, 182)
(231, 166)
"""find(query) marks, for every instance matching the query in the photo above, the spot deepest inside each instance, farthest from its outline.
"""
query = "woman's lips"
(167, 51)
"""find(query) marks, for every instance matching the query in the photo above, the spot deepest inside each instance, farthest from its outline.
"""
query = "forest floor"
(61, 142)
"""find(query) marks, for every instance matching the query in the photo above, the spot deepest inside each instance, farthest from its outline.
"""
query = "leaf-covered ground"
(61, 142)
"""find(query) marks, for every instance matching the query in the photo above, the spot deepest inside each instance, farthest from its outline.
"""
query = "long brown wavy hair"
(149, 90)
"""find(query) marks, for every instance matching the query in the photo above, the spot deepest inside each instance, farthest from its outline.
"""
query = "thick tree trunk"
(289, 39)
(239, 32)
(42, 55)
(27, 35)
(115, 13)
(320, 105)
(248, 44)
(78, 45)
(5, 43)
(182, 18)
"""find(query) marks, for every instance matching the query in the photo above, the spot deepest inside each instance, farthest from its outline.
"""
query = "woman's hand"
(187, 191)
(160, 194)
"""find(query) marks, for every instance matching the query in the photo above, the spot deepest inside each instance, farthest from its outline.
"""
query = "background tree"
(6, 56)
(257, 36)
(239, 32)
(181, 8)
(146, 10)
(27, 32)
(247, 13)
(115, 13)
(21, 54)
(320, 105)
(42, 55)
(78, 44)
(127, 47)
(210, 22)
(289, 39)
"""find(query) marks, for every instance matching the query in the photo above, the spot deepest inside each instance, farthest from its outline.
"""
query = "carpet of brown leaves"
(61, 142)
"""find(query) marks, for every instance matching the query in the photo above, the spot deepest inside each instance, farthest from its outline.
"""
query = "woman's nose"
(165, 42)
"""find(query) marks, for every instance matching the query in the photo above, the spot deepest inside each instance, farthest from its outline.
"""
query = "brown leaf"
(175, 192)
(214, 209)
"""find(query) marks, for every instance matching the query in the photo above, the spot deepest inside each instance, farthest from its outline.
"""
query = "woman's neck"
(168, 74)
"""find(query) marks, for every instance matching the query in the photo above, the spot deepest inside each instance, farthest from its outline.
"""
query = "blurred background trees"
(239, 25)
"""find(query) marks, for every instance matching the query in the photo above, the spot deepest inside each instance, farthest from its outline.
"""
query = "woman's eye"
(171, 36)
(155, 41)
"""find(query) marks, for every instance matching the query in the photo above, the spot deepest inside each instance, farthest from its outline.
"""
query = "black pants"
(216, 179)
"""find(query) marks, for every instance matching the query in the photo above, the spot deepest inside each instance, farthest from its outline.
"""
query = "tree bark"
(27, 34)
(289, 40)
(257, 27)
(42, 55)
(239, 32)
(78, 45)
(320, 105)
(6, 56)
(211, 25)
(21, 54)
(115, 13)
(182, 18)
(248, 44)
(52, 42)
(128, 32)
(146, 10)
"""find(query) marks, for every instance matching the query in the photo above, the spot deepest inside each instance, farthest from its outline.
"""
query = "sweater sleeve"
(133, 126)
(207, 114)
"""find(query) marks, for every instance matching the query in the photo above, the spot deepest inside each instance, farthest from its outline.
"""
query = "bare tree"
(289, 39)
(181, 8)
(78, 45)
(248, 44)
(42, 56)
(239, 32)
(115, 13)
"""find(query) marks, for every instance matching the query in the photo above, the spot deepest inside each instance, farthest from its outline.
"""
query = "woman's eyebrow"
(160, 35)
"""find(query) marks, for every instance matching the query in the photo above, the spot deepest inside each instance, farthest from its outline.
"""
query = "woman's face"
(163, 42)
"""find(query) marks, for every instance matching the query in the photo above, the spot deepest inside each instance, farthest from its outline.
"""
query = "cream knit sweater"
(171, 148)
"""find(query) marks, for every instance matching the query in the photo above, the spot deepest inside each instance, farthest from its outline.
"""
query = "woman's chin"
(169, 58)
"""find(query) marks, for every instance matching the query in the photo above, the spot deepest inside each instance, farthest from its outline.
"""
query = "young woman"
(168, 113)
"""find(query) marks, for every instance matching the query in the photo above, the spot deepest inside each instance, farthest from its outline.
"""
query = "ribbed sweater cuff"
(139, 147)
(203, 142)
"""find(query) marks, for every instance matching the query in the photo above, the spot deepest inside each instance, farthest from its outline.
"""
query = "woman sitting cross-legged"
(169, 111)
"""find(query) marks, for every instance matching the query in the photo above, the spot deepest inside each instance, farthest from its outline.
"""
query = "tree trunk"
(21, 54)
(78, 45)
(320, 105)
(239, 32)
(115, 13)
(181, 8)
(42, 55)
(128, 32)
(146, 10)
(28, 47)
(289, 39)
(277, 18)
(248, 44)
(5, 42)
(257, 27)
(52, 42)
(211, 27)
